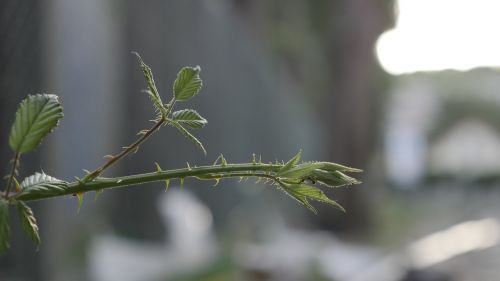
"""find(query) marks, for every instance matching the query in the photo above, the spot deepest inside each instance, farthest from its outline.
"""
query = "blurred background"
(407, 90)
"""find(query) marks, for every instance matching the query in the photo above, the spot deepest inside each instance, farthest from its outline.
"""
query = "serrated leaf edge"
(28, 222)
(189, 117)
(190, 136)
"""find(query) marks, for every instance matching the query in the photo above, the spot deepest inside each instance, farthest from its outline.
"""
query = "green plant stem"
(203, 172)
(131, 148)
(240, 175)
(12, 174)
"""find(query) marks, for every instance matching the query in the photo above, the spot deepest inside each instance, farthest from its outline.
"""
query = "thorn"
(167, 184)
(182, 183)
(136, 149)
(18, 186)
(125, 147)
(215, 162)
(142, 132)
(222, 160)
(241, 178)
(253, 159)
(97, 194)
(79, 196)
(260, 159)
(216, 182)
(86, 171)
(108, 157)
(158, 168)
(189, 167)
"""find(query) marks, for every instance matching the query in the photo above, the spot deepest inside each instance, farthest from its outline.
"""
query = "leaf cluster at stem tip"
(39, 114)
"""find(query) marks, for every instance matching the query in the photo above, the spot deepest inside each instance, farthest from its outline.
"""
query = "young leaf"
(291, 163)
(36, 116)
(189, 117)
(152, 90)
(188, 135)
(302, 200)
(328, 166)
(310, 192)
(41, 185)
(188, 83)
(333, 179)
(28, 222)
(4, 226)
(300, 171)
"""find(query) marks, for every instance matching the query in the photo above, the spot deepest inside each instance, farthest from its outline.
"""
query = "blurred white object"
(431, 250)
(471, 148)
(411, 110)
(191, 245)
(457, 35)
(456, 240)
(289, 254)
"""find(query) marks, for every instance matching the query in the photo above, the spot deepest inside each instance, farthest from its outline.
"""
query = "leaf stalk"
(15, 163)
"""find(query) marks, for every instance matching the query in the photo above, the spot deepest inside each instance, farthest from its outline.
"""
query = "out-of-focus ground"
(407, 91)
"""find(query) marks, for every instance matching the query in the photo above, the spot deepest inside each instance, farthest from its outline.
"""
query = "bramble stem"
(133, 147)
(12, 174)
(203, 172)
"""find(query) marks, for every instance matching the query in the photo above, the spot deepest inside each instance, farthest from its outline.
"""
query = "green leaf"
(303, 192)
(4, 226)
(28, 222)
(333, 179)
(41, 185)
(190, 118)
(36, 116)
(300, 171)
(188, 83)
(301, 199)
(188, 135)
(291, 163)
(152, 90)
(305, 170)
(328, 166)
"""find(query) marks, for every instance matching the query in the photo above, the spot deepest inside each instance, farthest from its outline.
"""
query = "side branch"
(127, 150)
